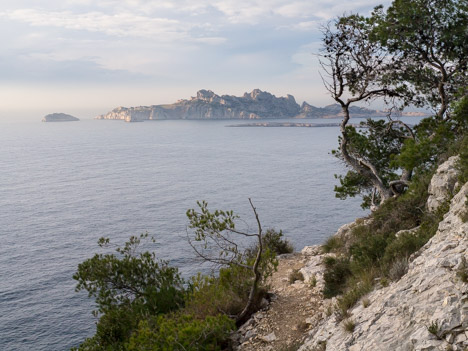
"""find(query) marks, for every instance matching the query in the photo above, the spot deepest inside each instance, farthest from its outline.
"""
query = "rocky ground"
(296, 307)
(426, 310)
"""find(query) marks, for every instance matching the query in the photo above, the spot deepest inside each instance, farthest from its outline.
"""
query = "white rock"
(442, 184)
(399, 315)
(269, 338)
(460, 338)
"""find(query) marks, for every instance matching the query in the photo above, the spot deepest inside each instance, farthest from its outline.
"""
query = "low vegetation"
(462, 271)
(434, 329)
(295, 275)
(379, 249)
(144, 304)
(349, 325)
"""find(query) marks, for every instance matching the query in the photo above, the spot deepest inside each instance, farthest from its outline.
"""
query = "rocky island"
(254, 105)
(59, 117)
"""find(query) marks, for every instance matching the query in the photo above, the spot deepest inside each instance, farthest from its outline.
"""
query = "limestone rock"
(59, 117)
(269, 338)
(443, 183)
(254, 105)
(430, 293)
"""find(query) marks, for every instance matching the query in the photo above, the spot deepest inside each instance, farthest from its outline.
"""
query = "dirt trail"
(294, 309)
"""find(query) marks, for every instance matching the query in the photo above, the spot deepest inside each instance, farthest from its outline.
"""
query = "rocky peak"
(257, 94)
(206, 95)
(305, 107)
(290, 98)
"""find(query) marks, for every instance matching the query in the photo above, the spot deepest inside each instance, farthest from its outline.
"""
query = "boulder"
(443, 184)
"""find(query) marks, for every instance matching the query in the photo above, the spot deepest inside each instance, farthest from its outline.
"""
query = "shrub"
(127, 287)
(276, 243)
(357, 289)
(227, 293)
(373, 249)
(329, 310)
(463, 161)
(333, 244)
(349, 325)
(462, 271)
(295, 275)
(182, 333)
(337, 271)
(367, 251)
(384, 282)
(434, 329)
(215, 238)
(398, 269)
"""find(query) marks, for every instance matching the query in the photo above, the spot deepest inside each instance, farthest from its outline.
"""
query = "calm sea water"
(64, 185)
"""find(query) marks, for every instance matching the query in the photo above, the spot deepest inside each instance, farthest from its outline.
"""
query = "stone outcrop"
(254, 105)
(443, 184)
(59, 117)
(427, 309)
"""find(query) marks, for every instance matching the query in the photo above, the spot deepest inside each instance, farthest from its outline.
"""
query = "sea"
(65, 185)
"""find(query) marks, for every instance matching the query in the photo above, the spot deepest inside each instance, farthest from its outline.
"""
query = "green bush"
(367, 251)
(434, 328)
(227, 293)
(333, 244)
(373, 250)
(182, 333)
(127, 286)
(463, 162)
(337, 271)
(276, 243)
(356, 288)
(462, 271)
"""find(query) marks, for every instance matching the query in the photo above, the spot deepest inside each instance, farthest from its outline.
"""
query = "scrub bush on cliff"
(415, 53)
(217, 239)
(180, 332)
(128, 286)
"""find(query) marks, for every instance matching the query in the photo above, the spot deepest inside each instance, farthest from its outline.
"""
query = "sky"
(86, 57)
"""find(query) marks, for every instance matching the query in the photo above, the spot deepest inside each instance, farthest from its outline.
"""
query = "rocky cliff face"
(59, 117)
(427, 309)
(443, 184)
(255, 105)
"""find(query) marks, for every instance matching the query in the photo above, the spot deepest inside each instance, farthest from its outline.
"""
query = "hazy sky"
(86, 57)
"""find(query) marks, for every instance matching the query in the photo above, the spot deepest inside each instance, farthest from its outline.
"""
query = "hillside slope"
(427, 309)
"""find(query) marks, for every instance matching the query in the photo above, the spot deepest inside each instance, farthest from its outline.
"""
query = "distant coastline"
(59, 117)
(289, 124)
(256, 105)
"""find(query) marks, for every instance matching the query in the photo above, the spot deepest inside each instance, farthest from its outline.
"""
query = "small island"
(59, 117)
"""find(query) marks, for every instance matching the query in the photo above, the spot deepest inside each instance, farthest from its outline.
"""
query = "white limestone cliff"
(254, 105)
(427, 309)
